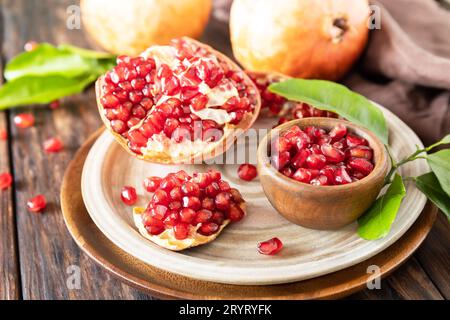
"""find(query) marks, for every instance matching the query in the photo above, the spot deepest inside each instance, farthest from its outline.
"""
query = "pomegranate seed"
(202, 179)
(236, 195)
(321, 180)
(212, 190)
(341, 176)
(224, 186)
(24, 120)
(360, 164)
(187, 215)
(222, 201)
(37, 203)
(171, 220)
(30, 46)
(208, 228)
(199, 102)
(208, 203)
(160, 197)
(361, 152)
(214, 175)
(152, 183)
(181, 230)
(316, 161)
(190, 189)
(192, 203)
(3, 135)
(247, 172)
(128, 195)
(281, 160)
(109, 101)
(203, 216)
(332, 154)
(218, 217)
(302, 175)
(5, 180)
(338, 132)
(353, 141)
(53, 145)
(300, 158)
(270, 247)
(287, 171)
(55, 104)
(235, 213)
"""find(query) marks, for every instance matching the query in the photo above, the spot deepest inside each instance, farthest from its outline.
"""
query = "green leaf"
(327, 95)
(430, 186)
(86, 53)
(440, 164)
(377, 220)
(30, 90)
(47, 60)
(444, 140)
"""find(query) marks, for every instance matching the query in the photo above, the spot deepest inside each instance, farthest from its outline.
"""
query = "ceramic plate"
(232, 258)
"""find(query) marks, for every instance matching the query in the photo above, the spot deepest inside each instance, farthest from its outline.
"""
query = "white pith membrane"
(167, 239)
(161, 148)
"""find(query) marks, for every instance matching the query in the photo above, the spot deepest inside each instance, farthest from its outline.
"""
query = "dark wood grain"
(434, 255)
(9, 267)
(46, 249)
(35, 267)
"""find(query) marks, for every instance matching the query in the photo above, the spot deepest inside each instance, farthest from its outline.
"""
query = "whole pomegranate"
(179, 103)
(300, 38)
(129, 27)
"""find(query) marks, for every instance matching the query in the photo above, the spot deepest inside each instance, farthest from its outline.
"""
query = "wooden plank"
(434, 255)
(47, 252)
(9, 264)
(9, 267)
(409, 282)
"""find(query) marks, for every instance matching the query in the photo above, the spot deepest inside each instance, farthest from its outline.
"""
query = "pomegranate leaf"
(32, 89)
(444, 140)
(46, 60)
(376, 222)
(430, 186)
(331, 96)
(85, 52)
(440, 164)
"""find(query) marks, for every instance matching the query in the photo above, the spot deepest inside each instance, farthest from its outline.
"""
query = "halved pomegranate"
(187, 211)
(275, 105)
(177, 103)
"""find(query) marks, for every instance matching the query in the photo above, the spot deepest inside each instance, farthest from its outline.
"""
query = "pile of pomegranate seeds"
(128, 195)
(147, 96)
(5, 180)
(180, 201)
(247, 172)
(53, 145)
(24, 120)
(37, 203)
(322, 158)
(3, 135)
(270, 247)
(278, 105)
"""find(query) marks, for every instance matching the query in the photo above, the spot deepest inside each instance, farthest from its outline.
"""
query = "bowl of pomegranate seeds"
(321, 173)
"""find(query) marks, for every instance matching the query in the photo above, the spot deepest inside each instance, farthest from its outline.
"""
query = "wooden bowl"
(321, 207)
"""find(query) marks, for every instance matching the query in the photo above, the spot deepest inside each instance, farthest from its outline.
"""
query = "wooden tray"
(164, 284)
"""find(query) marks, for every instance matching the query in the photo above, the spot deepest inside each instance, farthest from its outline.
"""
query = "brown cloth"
(411, 51)
(406, 66)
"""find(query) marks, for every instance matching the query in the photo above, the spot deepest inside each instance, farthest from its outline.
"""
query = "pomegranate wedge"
(178, 103)
(187, 211)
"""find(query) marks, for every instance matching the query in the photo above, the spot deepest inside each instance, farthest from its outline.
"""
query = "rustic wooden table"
(36, 250)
